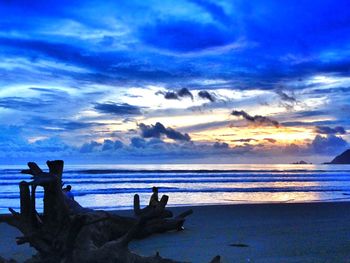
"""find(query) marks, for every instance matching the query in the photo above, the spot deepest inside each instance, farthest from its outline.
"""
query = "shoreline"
(107, 187)
(269, 232)
(3, 216)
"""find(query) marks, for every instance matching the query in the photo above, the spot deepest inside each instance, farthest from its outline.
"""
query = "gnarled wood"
(67, 232)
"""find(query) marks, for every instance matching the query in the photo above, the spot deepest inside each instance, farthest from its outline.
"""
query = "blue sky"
(174, 81)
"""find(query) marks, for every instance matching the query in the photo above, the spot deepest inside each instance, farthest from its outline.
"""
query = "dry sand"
(313, 232)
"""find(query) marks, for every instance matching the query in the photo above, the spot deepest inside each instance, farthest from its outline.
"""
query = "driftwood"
(67, 232)
(2, 260)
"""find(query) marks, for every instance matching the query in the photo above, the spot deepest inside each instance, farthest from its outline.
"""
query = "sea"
(112, 187)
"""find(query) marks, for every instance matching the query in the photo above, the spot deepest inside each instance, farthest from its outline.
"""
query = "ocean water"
(113, 186)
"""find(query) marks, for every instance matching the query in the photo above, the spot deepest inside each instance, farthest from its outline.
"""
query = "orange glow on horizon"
(233, 135)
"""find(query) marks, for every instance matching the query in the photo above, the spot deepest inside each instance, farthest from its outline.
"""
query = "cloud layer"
(256, 119)
(143, 80)
(157, 130)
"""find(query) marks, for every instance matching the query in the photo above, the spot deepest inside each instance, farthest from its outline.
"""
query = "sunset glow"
(172, 82)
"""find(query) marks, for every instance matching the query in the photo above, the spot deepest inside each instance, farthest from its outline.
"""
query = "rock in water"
(301, 162)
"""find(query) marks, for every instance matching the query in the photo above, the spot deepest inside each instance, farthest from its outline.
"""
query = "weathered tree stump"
(67, 232)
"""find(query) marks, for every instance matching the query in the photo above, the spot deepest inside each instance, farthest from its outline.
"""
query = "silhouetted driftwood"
(67, 232)
(2, 260)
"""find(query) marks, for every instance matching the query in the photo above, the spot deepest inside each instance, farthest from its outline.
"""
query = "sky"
(185, 81)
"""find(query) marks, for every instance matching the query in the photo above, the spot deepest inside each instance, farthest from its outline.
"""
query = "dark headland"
(343, 158)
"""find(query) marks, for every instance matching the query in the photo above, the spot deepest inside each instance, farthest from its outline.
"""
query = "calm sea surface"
(113, 186)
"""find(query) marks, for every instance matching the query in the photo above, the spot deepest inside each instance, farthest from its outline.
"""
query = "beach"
(274, 232)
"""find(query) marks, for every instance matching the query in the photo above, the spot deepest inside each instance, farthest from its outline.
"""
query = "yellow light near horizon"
(231, 135)
(184, 121)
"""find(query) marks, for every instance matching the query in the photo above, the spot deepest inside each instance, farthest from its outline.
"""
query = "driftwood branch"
(67, 232)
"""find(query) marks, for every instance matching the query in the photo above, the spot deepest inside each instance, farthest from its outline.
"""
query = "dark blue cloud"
(109, 145)
(47, 98)
(220, 145)
(330, 130)
(52, 123)
(257, 119)
(328, 91)
(185, 36)
(75, 125)
(64, 52)
(329, 144)
(112, 67)
(24, 104)
(90, 147)
(310, 113)
(244, 140)
(138, 142)
(206, 95)
(310, 123)
(157, 130)
(184, 92)
(169, 95)
(118, 108)
(176, 95)
(285, 97)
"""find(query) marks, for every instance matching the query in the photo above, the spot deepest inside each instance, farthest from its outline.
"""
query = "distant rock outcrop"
(301, 162)
(343, 158)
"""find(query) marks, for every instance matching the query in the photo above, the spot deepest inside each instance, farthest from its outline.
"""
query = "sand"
(311, 232)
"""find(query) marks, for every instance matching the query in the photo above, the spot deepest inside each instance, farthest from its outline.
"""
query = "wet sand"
(309, 232)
